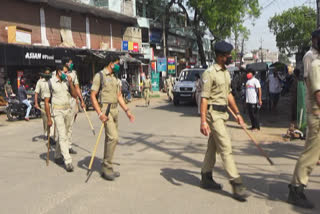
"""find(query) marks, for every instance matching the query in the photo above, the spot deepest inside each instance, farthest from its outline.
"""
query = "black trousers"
(254, 115)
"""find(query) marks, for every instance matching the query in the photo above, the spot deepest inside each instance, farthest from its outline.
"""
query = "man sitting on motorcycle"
(22, 93)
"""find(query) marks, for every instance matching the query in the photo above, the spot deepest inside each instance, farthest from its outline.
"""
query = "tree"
(293, 29)
(283, 58)
(219, 17)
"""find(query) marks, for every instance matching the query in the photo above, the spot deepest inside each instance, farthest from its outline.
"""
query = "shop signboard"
(125, 45)
(172, 65)
(155, 80)
(130, 46)
(135, 47)
(161, 64)
(155, 36)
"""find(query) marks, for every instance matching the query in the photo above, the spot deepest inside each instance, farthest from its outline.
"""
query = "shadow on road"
(43, 156)
(186, 109)
(96, 165)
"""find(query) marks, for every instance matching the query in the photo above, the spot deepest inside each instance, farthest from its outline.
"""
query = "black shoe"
(240, 192)
(52, 141)
(69, 167)
(109, 177)
(72, 151)
(59, 161)
(116, 174)
(207, 182)
(297, 197)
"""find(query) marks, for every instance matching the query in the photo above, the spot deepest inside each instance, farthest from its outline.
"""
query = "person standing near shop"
(8, 89)
(23, 98)
(215, 98)
(311, 153)
(198, 91)
(147, 86)
(253, 99)
(109, 89)
(60, 90)
(69, 69)
(41, 88)
(274, 88)
(169, 86)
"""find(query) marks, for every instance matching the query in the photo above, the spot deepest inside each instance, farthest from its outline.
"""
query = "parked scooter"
(16, 109)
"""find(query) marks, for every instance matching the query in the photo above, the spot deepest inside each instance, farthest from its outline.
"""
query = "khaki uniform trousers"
(45, 122)
(146, 94)
(74, 112)
(62, 119)
(111, 137)
(219, 142)
(310, 156)
(169, 93)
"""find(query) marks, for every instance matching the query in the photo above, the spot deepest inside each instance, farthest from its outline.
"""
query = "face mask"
(46, 76)
(249, 76)
(116, 69)
(229, 60)
(63, 76)
(9, 82)
(71, 67)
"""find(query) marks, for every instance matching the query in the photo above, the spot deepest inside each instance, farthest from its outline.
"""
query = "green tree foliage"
(293, 29)
(283, 58)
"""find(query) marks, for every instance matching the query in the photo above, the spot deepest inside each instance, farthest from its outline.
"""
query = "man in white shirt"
(274, 89)
(253, 99)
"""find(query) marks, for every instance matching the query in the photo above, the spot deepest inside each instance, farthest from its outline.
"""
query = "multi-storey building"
(35, 34)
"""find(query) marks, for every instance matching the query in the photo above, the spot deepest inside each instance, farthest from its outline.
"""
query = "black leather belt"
(218, 108)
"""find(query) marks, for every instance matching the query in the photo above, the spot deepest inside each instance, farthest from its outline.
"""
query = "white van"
(185, 86)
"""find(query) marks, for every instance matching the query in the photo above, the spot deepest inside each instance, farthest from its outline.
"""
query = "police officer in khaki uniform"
(60, 92)
(169, 86)
(41, 87)
(309, 157)
(147, 89)
(110, 93)
(68, 69)
(215, 98)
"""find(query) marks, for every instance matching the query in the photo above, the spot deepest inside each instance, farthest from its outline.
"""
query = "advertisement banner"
(130, 46)
(153, 66)
(136, 47)
(155, 80)
(172, 65)
(125, 45)
(161, 64)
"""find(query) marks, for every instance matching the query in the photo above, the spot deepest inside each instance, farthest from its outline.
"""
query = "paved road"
(159, 157)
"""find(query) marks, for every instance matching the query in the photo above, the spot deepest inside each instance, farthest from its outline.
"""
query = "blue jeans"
(27, 103)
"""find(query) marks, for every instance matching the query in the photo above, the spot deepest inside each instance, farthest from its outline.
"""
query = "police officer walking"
(41, 88)
(60, 90)
(147, 89)
(215, 98)
(107, 85)
(69, 69)
(309, 157)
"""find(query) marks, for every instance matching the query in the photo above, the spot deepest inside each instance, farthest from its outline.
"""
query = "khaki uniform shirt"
(8, 88)
(216, 85)
(146, 84)
(41, 87)
(60, 92)
(313, 85)
(110, 88)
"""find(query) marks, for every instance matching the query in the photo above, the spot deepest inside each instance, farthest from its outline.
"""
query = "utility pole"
(164, 37)
(261, 41)
(318, 13)
(241, 55)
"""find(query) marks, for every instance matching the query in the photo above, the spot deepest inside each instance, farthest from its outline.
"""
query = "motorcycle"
(86, 95)
(16, 109)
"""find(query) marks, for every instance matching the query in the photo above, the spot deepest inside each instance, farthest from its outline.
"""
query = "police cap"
(223, 47)
(316, 33)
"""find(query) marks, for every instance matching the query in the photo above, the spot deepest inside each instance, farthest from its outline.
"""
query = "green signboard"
(155, 77)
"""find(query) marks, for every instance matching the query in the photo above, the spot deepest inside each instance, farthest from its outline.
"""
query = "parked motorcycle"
(16, 109)
(86, 93)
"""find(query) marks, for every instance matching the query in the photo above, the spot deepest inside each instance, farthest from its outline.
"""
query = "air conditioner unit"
(101, 3)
